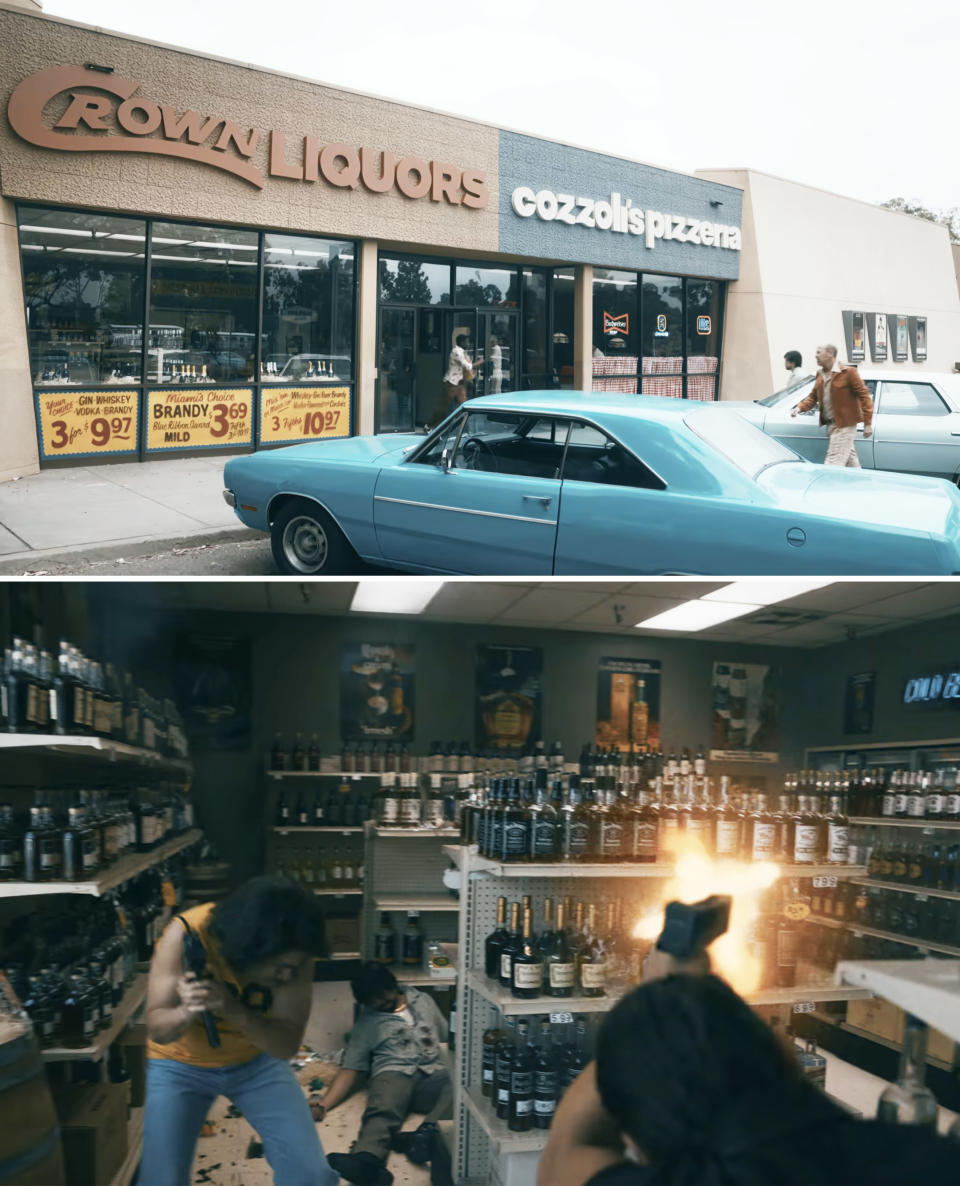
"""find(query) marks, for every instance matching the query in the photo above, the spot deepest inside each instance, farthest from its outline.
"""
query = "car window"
(446, 437)
(911, 399)
(593, 456)
(741, 442)
(504, 443)
(796, 390)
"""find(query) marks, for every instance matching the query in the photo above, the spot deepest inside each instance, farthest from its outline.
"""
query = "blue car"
(566, 483)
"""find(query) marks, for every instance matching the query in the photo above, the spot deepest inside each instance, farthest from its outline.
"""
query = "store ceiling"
(835, 613)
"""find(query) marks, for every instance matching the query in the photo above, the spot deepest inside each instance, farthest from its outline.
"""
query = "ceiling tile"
(679, 589)
(310, 597)
(548, 606)
(626, 610)
(473, 601)
(933, 600)
(846, 595)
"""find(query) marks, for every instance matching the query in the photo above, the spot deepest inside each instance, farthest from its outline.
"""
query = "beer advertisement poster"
(746, 713)
(508, 698)
(376, 692)
(628, 704)
(858, 704)
(213, 679)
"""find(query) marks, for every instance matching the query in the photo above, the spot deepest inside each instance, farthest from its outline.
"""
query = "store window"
(487, 286)
(83, 278)
(662, 336)
(616, 331)
(307, 309)
(703, 338)
(414, 281)
(535, 372)
(563, 326)
(203, 304)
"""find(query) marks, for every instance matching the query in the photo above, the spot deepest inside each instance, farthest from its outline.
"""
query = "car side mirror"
(445, 458)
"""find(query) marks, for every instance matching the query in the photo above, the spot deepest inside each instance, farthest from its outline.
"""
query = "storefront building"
(197, 254)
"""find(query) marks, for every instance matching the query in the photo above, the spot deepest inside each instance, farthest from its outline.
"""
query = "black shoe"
(362, 1169)
(420, 1148)
(401, 1142)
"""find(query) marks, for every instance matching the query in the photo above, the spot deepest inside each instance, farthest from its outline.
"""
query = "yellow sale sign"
(87, 423)
(219, 418)
(303, 413)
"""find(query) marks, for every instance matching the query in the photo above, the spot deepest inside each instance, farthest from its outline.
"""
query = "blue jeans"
(266, 1092)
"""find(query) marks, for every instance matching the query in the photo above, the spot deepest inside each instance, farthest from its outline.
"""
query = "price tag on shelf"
(825, 882)
(804, 1007)
(561, 1019)
(923, 897)
(857, 933)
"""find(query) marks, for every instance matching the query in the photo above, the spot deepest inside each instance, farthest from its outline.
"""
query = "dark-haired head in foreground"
(706, 1093)
(376, 988)
(267, 927)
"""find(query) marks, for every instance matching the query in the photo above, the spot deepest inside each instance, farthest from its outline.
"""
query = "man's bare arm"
(583, 1137)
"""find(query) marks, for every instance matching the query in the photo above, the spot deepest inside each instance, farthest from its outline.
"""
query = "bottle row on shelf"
(402, 800)
(905, 794)
(71, 694)
(394, 757)
(73, 964)
(928, 864)
(587, 819)
(339, 870)
(406, 947)
(74, 836)
(914, 918)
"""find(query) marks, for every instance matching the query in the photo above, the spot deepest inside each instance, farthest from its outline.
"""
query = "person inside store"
(397, 1042)
(258, 946)
(793, 362)
(690, 1087)
(459, 372)
(844, 401)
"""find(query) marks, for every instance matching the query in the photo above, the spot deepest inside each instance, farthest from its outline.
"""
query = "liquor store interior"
(445, 819)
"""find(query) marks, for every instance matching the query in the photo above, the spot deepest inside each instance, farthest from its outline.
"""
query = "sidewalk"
(111, 509)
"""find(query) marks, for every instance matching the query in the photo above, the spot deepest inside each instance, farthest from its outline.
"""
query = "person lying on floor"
(397, 1042)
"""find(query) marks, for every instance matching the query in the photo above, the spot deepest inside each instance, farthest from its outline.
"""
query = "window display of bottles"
(70, 694)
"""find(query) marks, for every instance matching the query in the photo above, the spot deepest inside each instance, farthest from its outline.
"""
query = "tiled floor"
(221, 1158)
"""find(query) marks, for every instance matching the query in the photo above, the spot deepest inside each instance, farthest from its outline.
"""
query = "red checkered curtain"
(654, 385)
(702, 378)
(616, 373)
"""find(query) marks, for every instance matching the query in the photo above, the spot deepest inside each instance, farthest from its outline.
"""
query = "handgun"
(688, 930)
(195, 961)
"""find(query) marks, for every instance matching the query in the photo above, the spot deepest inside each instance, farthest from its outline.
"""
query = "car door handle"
(543, 501)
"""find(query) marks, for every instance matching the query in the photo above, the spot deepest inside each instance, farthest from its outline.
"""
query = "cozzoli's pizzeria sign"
(102, 112)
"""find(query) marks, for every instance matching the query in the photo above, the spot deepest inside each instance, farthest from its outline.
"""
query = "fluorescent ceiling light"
(58, 230)
(696, 615)
(767, 592)
(227, 246)
(394, 595)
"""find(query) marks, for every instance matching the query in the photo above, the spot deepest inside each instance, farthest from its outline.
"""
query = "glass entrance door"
(498, 349)
(396, 368)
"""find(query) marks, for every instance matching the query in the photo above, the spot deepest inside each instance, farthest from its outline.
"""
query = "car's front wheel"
(307, 542)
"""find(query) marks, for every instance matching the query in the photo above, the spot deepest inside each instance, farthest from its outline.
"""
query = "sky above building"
(849, 97)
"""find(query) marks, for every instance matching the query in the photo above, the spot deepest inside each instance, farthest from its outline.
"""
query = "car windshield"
(795, 391)
(742, 443)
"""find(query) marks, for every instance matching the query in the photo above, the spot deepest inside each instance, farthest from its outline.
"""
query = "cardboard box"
(93, 1128)
(877, 1016)
(133, 1047)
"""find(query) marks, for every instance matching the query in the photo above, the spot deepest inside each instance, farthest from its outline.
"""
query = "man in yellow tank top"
(259, 947)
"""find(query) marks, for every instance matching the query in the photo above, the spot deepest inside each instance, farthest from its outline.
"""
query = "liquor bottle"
(838, 832)
(510, 947)
(728, 824)
(640, 715)
(760, 832)
(387, 802)
(494, 942)
(805, 834)
(434, 815)
(786, 937)
(278, 756)
(546, 1078)
(492, 1036)
(576, 1060)
(413, 941)
(593, 962)
(559, 966)
(544, 940)
(503, 1067)
(520, 1111)
(574, 826)
(643, 829)
(909, 1100)
(669, 815)
(951, 808)
(513, 837)
(11, 849)
(700, 823)
(544, 834)
(302, 813)
(385, 942)
(313, 754)
(298, 759)
(586, 814)
(411, 805)
(917, 794)
(527, 970)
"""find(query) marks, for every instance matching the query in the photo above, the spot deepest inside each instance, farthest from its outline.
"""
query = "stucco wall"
(254, 99)
(18, 441)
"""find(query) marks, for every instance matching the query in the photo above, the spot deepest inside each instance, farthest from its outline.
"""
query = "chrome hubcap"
(305, 544)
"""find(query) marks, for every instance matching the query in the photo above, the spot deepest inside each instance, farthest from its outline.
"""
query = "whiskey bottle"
(593, 964)
(302, 813)
(278, 755)
(510, 947)
(527, 969)
(613, 826)
(728, 825)
(643, 829)
(574, 827)
(513, 843)
(387, 802)
(700, 824)
(411, 805)
(838, 832)
(669, 812)
(385, 942)
(761, 832)
(560, 969)
(492, 1036)
(587, 814)
(576, 1060)
(494, 942)
(503, 1067)
(413, 941)
(543, 831)
(909, 1100)
(546, 1078)
(805, 833)
(299, 755)
(520, 1111)
(11, 849)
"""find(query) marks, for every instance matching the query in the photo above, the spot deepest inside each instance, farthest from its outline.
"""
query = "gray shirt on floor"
(389, 1042)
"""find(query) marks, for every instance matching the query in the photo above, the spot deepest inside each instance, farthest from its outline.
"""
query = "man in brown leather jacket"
(844, 402)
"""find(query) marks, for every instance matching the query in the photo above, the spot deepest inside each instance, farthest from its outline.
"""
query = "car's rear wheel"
(307, 542)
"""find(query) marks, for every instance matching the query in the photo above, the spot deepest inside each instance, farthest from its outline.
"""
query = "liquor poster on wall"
(900, 330)
(303, 413)
(213, 680)
(746, 713)
(628, 704)
(508, 697)
(918, 338)
(87, 423)
(221, 418)
(858, 704)
(878, 327)
(376, 692)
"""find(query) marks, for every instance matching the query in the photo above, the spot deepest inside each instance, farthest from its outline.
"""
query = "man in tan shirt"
(844, 402)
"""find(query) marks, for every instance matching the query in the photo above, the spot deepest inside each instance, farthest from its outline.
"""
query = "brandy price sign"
(216, 418)
(87, 423)
(303, 413)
